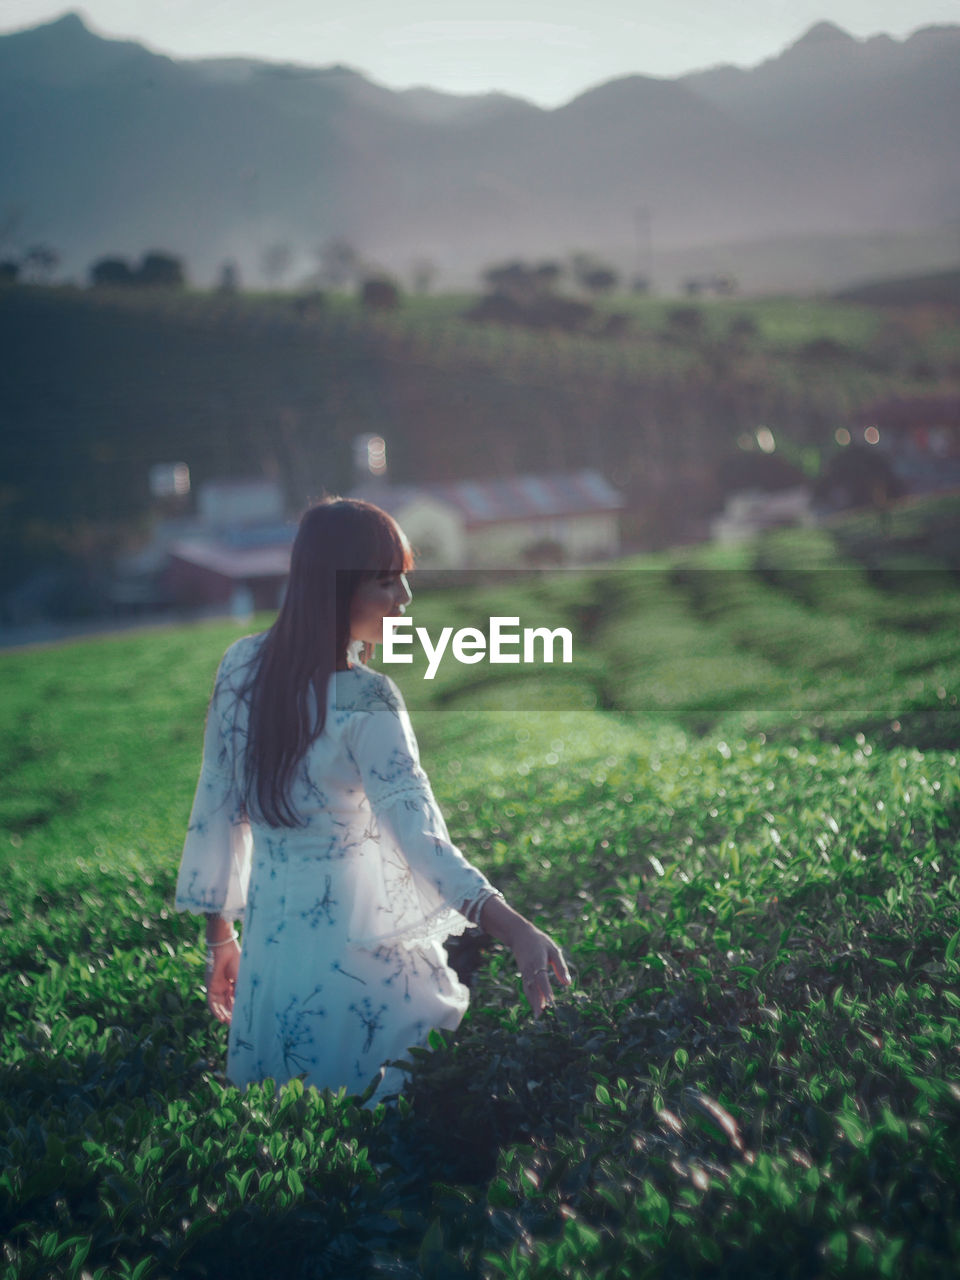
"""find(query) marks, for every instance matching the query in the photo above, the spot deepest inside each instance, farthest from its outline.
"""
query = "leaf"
(719, 1115)
(656, 1204)
(431, 1247)
(710, 1250)
(499, 1194)
(835, 1247)
(952, 945)
(670, 1121)
(555, 1174)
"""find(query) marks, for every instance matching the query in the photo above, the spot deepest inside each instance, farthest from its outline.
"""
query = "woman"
(314, 822)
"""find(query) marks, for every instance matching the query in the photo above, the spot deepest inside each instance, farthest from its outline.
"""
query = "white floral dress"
(342, 967)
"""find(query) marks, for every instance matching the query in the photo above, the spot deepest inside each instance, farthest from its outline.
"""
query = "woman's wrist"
(219, 930)
(500, 920)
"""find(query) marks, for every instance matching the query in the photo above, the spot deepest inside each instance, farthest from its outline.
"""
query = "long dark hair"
(340, 543)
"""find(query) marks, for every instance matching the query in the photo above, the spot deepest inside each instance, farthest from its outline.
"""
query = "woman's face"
(385, 596)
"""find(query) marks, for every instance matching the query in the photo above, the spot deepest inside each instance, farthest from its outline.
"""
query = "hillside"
(97, 388)
(937, 289)
(109, 148)
(748, 850)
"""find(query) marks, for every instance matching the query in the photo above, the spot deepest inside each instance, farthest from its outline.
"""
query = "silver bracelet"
(481, 902)
(234, 937)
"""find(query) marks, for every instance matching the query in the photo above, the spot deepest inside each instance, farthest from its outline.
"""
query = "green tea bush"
(739, 812)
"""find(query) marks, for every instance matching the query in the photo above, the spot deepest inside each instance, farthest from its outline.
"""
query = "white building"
(560, 518)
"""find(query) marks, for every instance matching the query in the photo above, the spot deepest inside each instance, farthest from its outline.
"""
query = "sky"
(545, 50)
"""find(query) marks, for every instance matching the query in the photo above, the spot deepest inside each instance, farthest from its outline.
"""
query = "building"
(236, 553)
(528, 520)
(232, 554)
(233, 571)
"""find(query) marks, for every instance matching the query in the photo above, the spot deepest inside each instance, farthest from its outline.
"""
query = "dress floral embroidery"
(342, 968)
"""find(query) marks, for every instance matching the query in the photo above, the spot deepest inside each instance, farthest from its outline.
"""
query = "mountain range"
(109, 148)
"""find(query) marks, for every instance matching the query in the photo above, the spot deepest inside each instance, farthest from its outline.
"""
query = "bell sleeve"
(429, 890)
(215, 864)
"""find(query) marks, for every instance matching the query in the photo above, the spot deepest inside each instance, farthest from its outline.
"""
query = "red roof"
(238, 563)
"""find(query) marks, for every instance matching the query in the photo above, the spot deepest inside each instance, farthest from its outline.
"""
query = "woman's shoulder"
(364, 690)
(244, 648)
(239, 656)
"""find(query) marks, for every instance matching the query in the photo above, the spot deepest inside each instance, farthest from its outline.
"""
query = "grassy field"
(739, 812)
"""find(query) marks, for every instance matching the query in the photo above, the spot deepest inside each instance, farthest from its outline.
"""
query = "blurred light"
(765, 439)
(745, 440)
(842, 435)
(377, 455)
(370, 454)
(169, 480)
(872, 435)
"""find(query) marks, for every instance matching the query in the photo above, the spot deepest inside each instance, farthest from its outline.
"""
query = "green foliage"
(738, 811)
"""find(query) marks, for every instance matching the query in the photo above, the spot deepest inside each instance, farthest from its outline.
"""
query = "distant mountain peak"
(822, 34)
(71, 18)
(65, 51)
(70, 23)
(629, 88)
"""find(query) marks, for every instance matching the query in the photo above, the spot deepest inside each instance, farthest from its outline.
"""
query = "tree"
(161, 271)
(592, 275)
(109, 273)
(377, 293)
(339, 262)
(547, 274)
(601, 280)
(9, 270)
(523, 294)
(39, 263)
(550, 311)
(514, 279)
(521, 281)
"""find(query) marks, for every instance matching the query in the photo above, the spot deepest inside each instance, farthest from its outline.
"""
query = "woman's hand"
(537, 955)
(223, 963)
